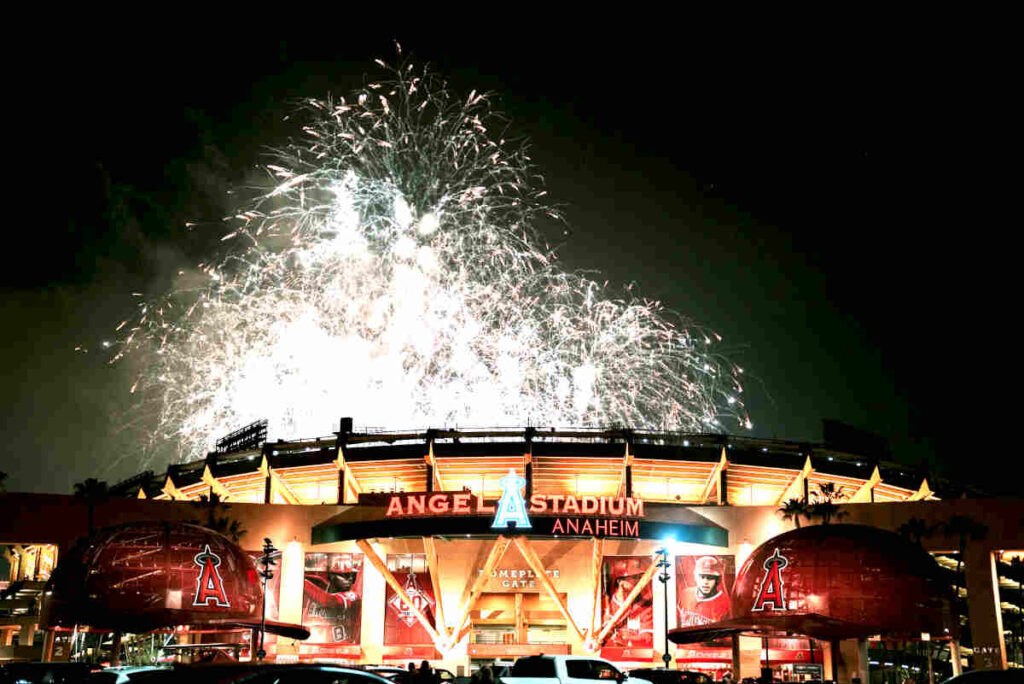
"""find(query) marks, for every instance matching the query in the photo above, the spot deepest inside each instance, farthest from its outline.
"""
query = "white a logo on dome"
(511, 507)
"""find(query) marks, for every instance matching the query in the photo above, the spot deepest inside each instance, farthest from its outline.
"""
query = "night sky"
(789, 192)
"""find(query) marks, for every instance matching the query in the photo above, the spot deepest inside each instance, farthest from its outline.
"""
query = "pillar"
(48, 645)
(853, 660)
(828, 660)
(27, 634)
(746, 657)
(293, 566)
(983, 608)
(954, 657)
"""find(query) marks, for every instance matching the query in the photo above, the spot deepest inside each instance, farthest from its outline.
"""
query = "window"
(591, 669)
(533, 667)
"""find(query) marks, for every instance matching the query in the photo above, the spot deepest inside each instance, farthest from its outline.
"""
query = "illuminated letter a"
(511, 507)
(209, 586)
(770, 590)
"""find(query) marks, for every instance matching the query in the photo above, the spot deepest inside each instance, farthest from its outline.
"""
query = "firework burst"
(393, 271)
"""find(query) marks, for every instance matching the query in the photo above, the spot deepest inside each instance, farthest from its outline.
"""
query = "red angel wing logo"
(209, 585)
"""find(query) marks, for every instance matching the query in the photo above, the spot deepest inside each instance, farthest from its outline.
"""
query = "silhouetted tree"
(915, 530)
(3, 482)
(963, 527)
(793, 509)
(93, 492)
(824, 507)
(212, 505)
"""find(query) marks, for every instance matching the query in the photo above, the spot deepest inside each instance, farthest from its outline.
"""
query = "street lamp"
(663, 565)
(267, 561)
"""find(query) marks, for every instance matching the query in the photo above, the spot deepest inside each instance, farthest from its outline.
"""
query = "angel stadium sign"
(590, 516)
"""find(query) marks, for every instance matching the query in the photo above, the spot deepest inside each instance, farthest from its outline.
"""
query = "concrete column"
(827, 660)
(984, 613)
(853, 660)
(292, 569)
(746, 657)
(48, 646)
(27, 634)
(954, 657)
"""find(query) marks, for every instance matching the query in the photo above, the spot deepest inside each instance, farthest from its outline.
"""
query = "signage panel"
(332, 600)
(635, 631)
(400, 623)
(703, 584)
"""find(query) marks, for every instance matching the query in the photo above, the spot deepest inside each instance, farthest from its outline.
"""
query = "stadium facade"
(463, 547)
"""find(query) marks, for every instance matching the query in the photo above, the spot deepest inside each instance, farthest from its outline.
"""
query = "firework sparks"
(393, 271)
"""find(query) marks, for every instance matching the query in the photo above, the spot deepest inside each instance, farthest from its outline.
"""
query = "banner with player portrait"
(332, 599)
(703, 584)
(401, 627)
(632, 638)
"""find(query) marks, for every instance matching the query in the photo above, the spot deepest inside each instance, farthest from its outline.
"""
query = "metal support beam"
(865, 493)
(474, 589)
(533, 561)
(797, 488)
(922, 493)
(346, 476)
(172, 491)
(716, 481)
(595, 573)
(609, 625)
(430, 551)
(278, 485)
(216, 486)
(397, 587)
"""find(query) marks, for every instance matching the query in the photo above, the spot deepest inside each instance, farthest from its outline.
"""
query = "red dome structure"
(835, 582)
(143, 576)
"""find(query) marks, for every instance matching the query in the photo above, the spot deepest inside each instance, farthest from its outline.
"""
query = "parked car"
(46, 673)
(562, 669)
(136, 674)
(257, 673)
(660, 675)
(987, 677)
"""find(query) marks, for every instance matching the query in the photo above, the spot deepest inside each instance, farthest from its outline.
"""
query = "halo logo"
(210, 585)
(771, 589)
(511, 507)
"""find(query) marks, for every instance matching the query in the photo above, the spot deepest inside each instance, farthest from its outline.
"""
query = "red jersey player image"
(702, 587)
(620, 575)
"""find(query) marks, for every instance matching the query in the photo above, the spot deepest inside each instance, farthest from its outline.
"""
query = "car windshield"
(533, 667)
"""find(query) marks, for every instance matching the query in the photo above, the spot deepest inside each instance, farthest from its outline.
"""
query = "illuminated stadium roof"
(658, 467)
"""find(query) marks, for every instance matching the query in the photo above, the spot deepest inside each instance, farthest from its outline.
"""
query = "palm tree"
(229, 527)
(792, 509)
(212, 505)
(915, 530)
(824, 507)
(93, 492)
(963, 527)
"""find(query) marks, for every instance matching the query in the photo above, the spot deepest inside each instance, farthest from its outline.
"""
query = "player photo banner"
(401, 627)
(703, 584)
(332, 600)
(633, 637)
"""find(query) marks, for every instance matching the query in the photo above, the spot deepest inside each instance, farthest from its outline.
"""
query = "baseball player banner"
(332, 599)
(401, 627)
(619, 575)
(703, 584)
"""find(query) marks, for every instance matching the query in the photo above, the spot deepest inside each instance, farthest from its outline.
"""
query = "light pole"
(663, 565)
(267, 561)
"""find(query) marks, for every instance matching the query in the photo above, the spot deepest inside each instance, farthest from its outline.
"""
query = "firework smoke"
(393, 272)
